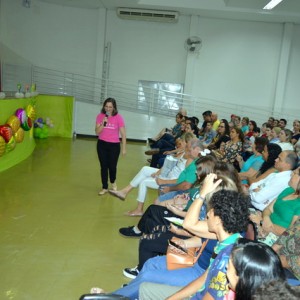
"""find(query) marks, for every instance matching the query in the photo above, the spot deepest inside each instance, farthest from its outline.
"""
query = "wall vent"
(148, 15)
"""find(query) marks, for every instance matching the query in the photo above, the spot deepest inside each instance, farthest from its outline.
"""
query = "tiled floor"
(58, 238)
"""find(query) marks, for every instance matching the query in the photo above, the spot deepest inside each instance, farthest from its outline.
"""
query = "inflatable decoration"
(19, 135)
(6, 132)
(2, 146)
(41, 133)
(30, 111)
(21, 114)
(11, 145)
(14, 123)
(27, 124)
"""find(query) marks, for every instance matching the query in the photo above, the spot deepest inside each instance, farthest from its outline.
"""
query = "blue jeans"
(155, 270)
(169, 195)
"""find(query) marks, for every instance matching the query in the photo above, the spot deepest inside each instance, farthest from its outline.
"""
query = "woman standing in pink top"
(109, 126)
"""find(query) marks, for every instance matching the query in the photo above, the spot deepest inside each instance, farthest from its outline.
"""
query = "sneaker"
(131, 272)
(114, 186)
(103, 192)
(129, 232)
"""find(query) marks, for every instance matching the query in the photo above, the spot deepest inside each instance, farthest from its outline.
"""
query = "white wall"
(240, 62)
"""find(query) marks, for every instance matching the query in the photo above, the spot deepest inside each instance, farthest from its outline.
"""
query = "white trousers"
(143, 180)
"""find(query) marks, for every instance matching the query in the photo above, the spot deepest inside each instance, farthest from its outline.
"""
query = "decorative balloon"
(21, 114)
(6, 132)
(27, 124)
(11, 145)
(14, 123)
(30, 111)
(19, 135)
(2, 146)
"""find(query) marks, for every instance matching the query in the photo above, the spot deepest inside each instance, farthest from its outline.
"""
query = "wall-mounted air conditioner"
(148, 15)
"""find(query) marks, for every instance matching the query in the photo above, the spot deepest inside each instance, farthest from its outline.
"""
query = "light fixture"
(272, 4)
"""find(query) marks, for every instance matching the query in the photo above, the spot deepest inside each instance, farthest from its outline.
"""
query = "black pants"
(155, 243)
(108, 154)
(153, 216)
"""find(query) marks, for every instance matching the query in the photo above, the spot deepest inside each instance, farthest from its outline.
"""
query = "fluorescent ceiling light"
(272, 4)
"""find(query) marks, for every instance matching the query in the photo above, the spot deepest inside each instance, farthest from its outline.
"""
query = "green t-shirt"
(285, 210)
(188, 174)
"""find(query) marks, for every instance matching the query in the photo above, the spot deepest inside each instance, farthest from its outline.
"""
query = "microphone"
(105, 122)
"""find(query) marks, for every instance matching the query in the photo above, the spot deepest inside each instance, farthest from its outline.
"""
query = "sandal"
(117, 194)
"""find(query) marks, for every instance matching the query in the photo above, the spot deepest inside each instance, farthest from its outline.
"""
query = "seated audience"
(244, 277)
(215, 121)
(296, 132)
(277, 290)
(229, 151)
(147, 177)
(282, 212)
(251, 166)
(275, 135)
(263, 192)
(288, 248)
(252, 128)
(270, 154)
(268, 132)
(222, 220)
(208, 135)
(245, 125)
(221, 137)
(282, 123)
(285, 137)
(206, 115)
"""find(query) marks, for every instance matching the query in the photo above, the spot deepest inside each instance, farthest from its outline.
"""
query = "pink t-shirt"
(110, 133)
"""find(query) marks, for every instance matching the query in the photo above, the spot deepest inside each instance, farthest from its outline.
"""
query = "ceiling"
(287, 11)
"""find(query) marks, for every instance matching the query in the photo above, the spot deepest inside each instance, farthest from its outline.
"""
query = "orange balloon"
(14, 123)
(19, 135)
(2, 146)
(30, 111)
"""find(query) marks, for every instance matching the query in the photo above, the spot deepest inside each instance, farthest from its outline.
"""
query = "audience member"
(215, 121)
(270, 154)
(275, 134)
(209, 134)
(288, 248)
(251, 166)
(206, 117)
(244, 277)
(277, 290)
(227, 215)
(285, 137)
(296, 132)
(282, 212)
(221, 137)
(282, 123)
(266, 190)
(147, 177)
(245, 125)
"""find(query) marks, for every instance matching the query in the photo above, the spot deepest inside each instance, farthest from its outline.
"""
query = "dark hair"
(207, 113)
(246, 119)
(260, 143)
(255, 263)
(284, 121)
(254, 124)
(232, 208)
(227, 129)
(194, 129)
(277, 290)
(269, 126)
(180, 115)
(228, 170)
(274, 150)
(256, 130)
(113, 102)
(195, 120)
